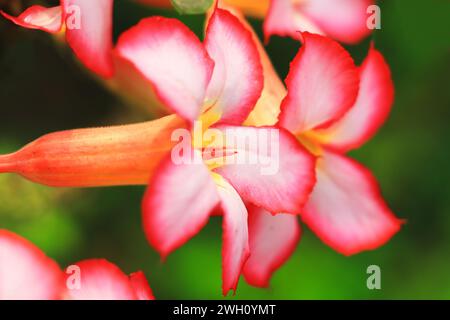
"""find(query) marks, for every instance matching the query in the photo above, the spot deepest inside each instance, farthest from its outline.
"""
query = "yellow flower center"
(313, 140)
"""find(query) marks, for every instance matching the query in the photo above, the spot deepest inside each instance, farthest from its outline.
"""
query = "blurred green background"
(42, 89)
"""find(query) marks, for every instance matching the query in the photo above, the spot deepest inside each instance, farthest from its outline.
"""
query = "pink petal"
(177, 203)
(235, 249)
(273, 239)
(101, 280)
(374, 102)
(343, 20)
(140, 285)
(171, 57)
(322, 85)
(269, 168)
(346, 209)
(91, 40)
(25, 272)
(134, 87)
(284, 19)
(237, 79)
(267, 108)
(38, 17)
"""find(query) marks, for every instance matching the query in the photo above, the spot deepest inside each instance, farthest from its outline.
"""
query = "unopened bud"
(110, 156)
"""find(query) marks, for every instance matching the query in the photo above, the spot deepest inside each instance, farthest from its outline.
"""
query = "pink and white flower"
(331, 107)
(218, 82)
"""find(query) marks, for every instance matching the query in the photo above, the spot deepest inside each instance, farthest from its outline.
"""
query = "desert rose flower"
(328, 68)
(346, 209)
(181, 197)
(332, 108)
(26, 273)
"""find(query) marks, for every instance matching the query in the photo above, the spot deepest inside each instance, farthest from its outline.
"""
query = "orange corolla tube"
(119, 155)
(257, 9)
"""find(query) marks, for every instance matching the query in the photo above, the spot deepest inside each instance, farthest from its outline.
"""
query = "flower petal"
(89, 33)
(273, 239)
(267, 108)
(343, 20)
(284, 19)
(134, 88)
(25, 272)
(172, 58)
(235, 249)
(346, 209)
(38, 17)
(374, 102)
(237, 79)
(268, 167)
(177, 203)
(322, 85)
(101, 280)
(140, 285)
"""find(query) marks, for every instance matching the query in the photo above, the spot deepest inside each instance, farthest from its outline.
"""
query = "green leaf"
(191, 6)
